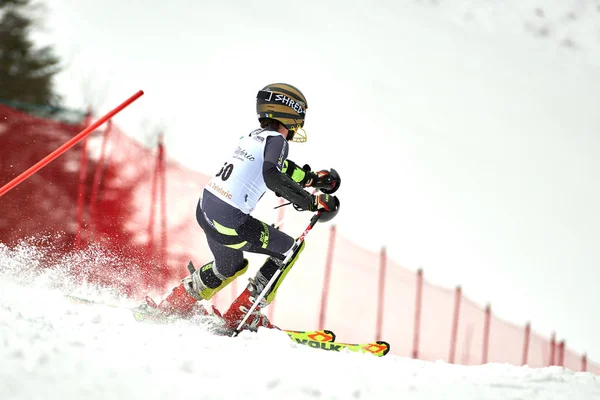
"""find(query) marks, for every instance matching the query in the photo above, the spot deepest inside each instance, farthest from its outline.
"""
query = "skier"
(224, 211)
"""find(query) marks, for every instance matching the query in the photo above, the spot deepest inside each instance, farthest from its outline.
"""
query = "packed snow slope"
(53, 348)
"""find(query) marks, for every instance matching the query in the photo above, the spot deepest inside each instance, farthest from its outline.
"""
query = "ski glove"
(328, 181)
(324, 202)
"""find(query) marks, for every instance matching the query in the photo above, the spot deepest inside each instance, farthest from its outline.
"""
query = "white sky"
(466, 145)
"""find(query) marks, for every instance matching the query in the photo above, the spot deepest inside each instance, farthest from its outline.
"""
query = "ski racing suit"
(257, 164)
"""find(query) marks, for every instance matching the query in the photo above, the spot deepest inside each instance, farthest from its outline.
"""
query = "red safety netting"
(539, 351)
(436, 323)
(139, 204)
(399, 308)
(470, 333)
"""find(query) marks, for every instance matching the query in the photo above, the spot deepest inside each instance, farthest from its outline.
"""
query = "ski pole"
(287, 258)
(278, 223)
(282, 205)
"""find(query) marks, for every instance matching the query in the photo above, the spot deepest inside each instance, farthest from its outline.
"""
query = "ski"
(216, 325)
(379, 348)
(322, 339)
(320, 336)
(140, 315)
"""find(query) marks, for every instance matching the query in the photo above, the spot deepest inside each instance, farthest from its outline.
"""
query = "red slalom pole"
(81, 135)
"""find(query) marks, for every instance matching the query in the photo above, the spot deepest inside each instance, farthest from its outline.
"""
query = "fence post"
(326, 280)
(561, 353)
(454, 335)
(163, 203)
(81, 185)
(486, 334)
(552, 349)
(98, 175)
(584, 362)
(417, 326)
(153, 196)
(381, 293)
(526, 343)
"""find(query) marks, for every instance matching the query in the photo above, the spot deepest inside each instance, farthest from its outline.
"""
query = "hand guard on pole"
(325, 202)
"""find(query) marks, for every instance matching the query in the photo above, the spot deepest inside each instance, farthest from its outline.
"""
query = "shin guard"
(268, 269)
(206, 281)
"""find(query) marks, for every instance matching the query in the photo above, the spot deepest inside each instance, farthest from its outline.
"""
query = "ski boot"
(179, 304)
(239, 308)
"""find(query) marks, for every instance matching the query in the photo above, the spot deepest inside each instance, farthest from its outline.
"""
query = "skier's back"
(257, 164)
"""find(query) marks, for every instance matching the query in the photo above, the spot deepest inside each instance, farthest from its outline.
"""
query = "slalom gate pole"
(67, 145)
(271, 282)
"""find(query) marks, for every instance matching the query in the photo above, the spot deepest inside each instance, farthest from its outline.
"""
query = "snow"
(50, 346)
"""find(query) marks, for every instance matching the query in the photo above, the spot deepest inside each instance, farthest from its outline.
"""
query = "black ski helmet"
(286, 104)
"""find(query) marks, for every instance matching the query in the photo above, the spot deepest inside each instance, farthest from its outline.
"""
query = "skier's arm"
(302, 176)
(279, 182)
(325, 180)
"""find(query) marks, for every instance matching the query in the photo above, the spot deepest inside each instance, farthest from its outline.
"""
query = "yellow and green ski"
(322, 339)
(314, 340)
(318, 336)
